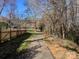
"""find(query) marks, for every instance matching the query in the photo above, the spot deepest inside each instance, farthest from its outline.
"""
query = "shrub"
(71, 35)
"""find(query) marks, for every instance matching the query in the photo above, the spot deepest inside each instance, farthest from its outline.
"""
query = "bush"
(3, 25)
(71, 36)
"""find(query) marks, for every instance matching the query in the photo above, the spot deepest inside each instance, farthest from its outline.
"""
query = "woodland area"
(53, 29)
(62, 21)
(59, 17)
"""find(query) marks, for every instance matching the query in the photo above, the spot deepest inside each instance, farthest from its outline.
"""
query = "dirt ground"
(63, 49)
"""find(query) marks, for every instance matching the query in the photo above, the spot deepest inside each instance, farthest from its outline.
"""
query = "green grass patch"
(23, 46)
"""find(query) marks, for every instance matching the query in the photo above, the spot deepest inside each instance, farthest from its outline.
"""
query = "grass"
(23, 46)
(34, 32)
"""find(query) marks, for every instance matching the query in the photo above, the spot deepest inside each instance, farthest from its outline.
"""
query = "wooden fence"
(10, 33)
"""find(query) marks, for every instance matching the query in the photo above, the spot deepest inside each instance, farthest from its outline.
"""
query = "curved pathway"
(38, 49)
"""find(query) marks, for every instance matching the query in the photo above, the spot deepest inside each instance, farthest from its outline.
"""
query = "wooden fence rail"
(10, 33)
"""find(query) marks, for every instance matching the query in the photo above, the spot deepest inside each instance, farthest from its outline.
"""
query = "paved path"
(38, 49)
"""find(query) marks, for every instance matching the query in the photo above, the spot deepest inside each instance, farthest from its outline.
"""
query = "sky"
(19, 6)
(20, 11)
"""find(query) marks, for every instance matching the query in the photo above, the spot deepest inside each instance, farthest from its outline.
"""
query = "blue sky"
(21, 8)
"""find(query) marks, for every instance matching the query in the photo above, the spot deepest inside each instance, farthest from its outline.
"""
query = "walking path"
(38, 49)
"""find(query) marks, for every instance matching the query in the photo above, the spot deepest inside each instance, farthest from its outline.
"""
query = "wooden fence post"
(0, 34)
(17, 33)
(10, 34)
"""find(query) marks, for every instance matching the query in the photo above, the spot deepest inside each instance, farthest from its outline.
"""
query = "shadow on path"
(8, 49)
(30, 53)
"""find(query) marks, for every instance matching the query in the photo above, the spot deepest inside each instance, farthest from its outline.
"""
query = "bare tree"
(58, 16)
(2, 5)
(12, 9)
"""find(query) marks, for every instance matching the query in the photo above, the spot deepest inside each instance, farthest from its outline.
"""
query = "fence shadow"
(8, 49)
(30, 53)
